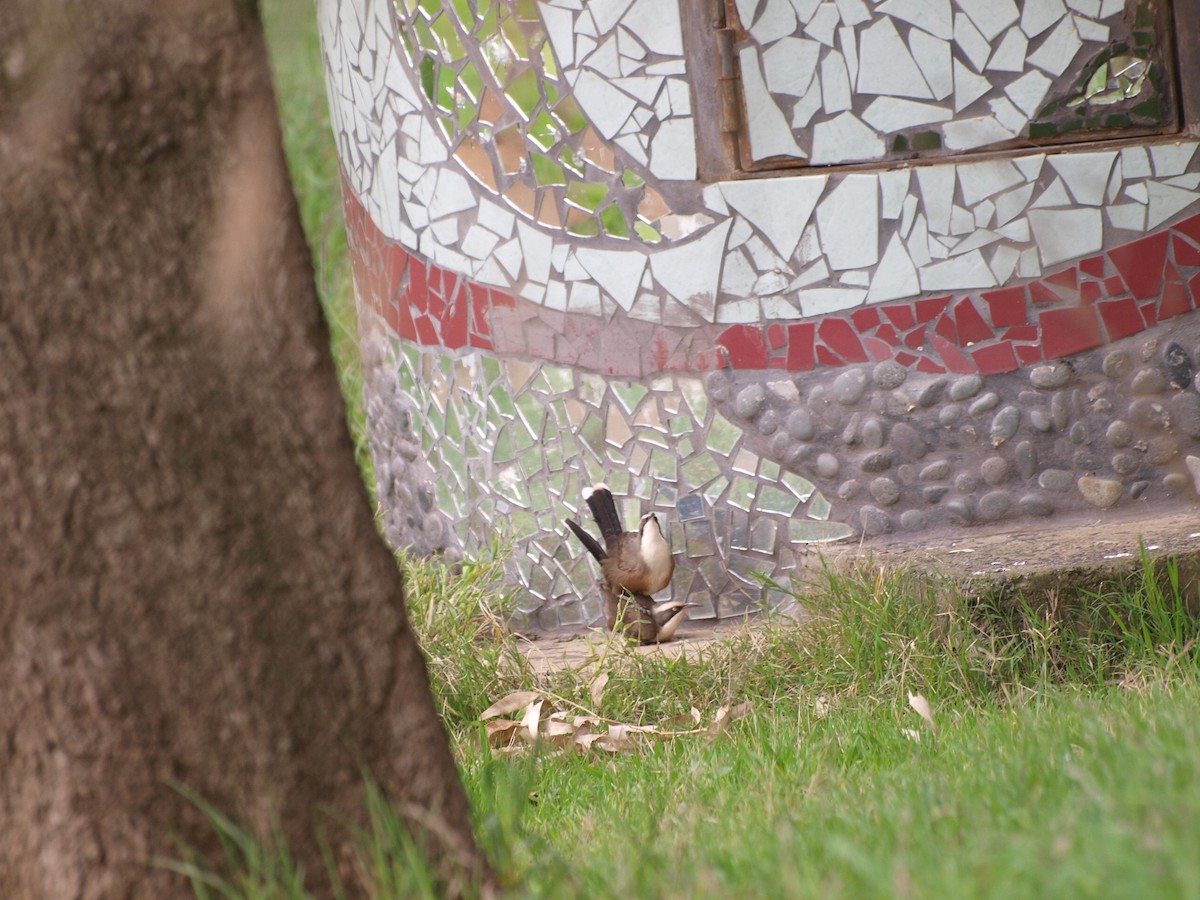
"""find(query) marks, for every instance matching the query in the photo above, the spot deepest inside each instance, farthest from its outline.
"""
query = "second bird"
(636, 561)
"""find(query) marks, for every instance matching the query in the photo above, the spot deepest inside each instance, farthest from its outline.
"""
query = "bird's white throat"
(655, 550)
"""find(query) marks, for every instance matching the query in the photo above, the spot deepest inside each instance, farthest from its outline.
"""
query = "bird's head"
(649, 520)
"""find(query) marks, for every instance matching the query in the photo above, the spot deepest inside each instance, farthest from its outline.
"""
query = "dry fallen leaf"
(509, 704)
(821, 707)
(501, 732)
(924, 710)
(531, 721)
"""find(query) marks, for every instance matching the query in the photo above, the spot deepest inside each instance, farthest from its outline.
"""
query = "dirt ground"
(1071, 554)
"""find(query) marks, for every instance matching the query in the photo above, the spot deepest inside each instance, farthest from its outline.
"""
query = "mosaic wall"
(549, 297)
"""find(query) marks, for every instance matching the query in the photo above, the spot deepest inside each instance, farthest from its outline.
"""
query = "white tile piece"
(1030, 165)
(1188, 182)
(895, 276)
(1166, 202)
(983, 179)
(714, 199)
(536, 247)
(691, 272)
(933, 59)
(835, 83)
(961, 221)
(809, 248)
(984, 211)
(1009, 56)
(509, 255)
(560, 29)
(823, 22)
(733, 312)
(1172, 159)
(845, 138)
(770, 134)
(968, 87)
(556, 296)
(908, 214)
(1137, 191)
(848, 220)
(642, 88)
(937, 195)
(814, 274)
(1090, 8)
(673, 150)
(495, 218)
(1127, 216)
(1038, 15)
(607, 107)
(823, 301)
(917, 243)
(1017, 230)
(886, 65)
(746, 10)
(852, 11)
(453, 194)
(1086, 174)
(1135, 162)
(479, 242)
(889, 114)
(807, 106)
(1092, 31)
(976, 240)
(967, 134)
(777, 20)
(779, 308)
(805, 8)
(534, 293)
(668, 67)
(1029, 266)
(1058, 49)
(990, 16)
(970, 42)
(741, 232)
(779, 208)
(762, 255)
(632, 144)
(855, 278)
(489, 272)
(1012, 203)
(1111, 7)
(680, 93)
(559, 256)
(584, 299)
(1004, 262)
(607, 13)
(737, 276)
(1063, 234)
(1008, 115)
(962, 273)
(848, 44)
(932, 16)
(605, 59)
(790, 64)
(1055, 195)
(629, 46)
(893, 188)
(1028, 91)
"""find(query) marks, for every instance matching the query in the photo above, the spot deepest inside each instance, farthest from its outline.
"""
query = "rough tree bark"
(191, 587)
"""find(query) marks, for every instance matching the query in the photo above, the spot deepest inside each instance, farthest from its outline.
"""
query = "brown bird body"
(634, 565)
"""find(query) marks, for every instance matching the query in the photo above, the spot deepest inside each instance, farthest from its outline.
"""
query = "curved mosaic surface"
(798, 359)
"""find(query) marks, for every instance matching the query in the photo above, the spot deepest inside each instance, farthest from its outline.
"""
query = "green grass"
(1064, 760)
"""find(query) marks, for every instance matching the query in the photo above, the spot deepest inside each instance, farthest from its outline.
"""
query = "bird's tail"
(600, 500)
(587, 540)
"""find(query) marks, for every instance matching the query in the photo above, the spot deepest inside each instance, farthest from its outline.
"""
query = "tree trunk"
(192, 587)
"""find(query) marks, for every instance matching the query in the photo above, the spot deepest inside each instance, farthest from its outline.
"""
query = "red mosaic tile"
(1150, 313)
(865, 319)
(1194, 290)
(915, 338)
(1121, 318)
(454, 323)
(900, 315)
(971, 327)
(800, 354)
(1185, 254)
(930, 367)
(1029, 354)
(952, 357)
(1021, 333)
(995, 359)
(1069, 331)
(839, 336)
(1093, 265)
(418, 286)
(1090, 292)
(1174, 301)
(888, 334)
(405, 326)
(906, 359)
(746, 345)
(1040, 293)
(426, 333)
(826, 357)
(1114, 287)
(1006, 307)
(1141, 264)
(929, 309)
(776, 336)
(945, 327)
(877, 349)
(1067, 278)
(1189, 227)
(778, 362)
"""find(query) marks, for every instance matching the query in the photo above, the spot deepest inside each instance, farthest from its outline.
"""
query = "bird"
(637, 616)
(639, 562)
